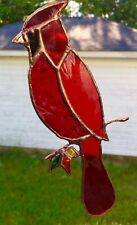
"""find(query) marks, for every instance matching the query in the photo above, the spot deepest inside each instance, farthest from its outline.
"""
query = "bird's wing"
(82, 94)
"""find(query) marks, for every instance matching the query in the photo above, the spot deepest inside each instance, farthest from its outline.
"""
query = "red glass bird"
(67, 100)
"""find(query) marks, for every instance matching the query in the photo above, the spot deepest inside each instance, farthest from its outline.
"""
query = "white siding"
(20, 126)
(117, 81)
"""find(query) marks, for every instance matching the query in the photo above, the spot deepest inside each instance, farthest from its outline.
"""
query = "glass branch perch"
(67, 100)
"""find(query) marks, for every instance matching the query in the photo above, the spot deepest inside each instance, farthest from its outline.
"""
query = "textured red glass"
(54, 40)
(82, 93)
(65, 163)
(43, 15)
(98, 192)
(67, 100)
(49, 103)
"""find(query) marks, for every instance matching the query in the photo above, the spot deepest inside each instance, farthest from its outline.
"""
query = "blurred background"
(104, 33)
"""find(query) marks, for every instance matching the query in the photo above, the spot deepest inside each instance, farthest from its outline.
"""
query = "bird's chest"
(48, 100)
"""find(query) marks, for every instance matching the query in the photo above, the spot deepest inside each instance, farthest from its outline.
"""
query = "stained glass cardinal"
(67, 100)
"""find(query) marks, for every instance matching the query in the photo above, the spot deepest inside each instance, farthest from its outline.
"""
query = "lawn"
(29, 195)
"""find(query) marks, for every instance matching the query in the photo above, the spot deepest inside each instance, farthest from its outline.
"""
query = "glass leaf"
(55, 162)
(65, 163)
(71, 153)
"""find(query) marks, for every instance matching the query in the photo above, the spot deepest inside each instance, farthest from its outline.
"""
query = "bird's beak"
(18, 39)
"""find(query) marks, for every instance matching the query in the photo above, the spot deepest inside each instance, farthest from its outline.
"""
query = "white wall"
(20, 126)
(117, 80)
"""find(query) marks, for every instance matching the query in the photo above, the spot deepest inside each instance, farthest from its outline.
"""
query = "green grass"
(29, 195)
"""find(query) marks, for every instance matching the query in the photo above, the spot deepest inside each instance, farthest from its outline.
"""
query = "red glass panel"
(65, 163)
(49, 103)
(54, 40)
(82, 93)
(44, 14)
(52, 107)
(98, 192)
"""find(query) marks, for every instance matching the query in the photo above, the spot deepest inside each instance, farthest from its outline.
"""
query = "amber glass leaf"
(54, 40)
(71, 152)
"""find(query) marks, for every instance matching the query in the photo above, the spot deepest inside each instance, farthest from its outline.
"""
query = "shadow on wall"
(97, 34)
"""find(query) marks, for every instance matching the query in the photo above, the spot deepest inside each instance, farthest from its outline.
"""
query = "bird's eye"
(33, 37)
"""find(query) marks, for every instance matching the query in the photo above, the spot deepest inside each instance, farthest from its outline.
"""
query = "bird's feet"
(62, 158)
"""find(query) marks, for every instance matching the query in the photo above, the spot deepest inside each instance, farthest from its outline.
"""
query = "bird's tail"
(98, 193)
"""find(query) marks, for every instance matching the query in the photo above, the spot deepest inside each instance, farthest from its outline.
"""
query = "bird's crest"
(44, 14)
